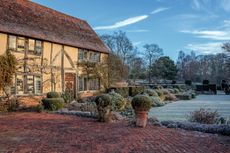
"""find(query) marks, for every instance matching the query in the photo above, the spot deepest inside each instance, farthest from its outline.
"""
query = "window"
(94, 84)
(38, 47)
(81, 54)
(31, 45)
(20, 84)
(21, 44)
(85, 55)
(81, 84)
(38, 84)
(12, 42)
(97, 57)
(94, 56)
(30, 84)
(83, 81)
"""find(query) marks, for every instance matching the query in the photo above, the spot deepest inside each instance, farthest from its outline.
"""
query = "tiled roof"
(23, 17)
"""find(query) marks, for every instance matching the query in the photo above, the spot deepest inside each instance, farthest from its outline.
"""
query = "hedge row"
(129, 91)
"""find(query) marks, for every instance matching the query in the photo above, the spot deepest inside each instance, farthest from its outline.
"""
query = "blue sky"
(198, 25)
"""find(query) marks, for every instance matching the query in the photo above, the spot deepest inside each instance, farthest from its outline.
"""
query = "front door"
(70, 83)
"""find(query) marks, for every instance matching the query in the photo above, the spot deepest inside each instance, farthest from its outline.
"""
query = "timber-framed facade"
(52, 49)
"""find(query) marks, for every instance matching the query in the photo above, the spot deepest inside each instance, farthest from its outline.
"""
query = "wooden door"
(70, 83)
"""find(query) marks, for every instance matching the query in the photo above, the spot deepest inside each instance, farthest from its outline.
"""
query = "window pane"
(38, 47)
(85, 84)
(85, 55)
(81, 84)
(31, 44)
(80, 54)
(21, 44)
(30, 84)
(20, 84)
(12, 42)
(38, 85)
(13, 86)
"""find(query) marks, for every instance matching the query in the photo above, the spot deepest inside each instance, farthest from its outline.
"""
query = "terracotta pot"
(141, 118)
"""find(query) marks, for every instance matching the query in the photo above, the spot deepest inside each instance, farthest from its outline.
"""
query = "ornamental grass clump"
(141, 104)
(156, 101)
(104, 107)
(151, 92)
(204, 116)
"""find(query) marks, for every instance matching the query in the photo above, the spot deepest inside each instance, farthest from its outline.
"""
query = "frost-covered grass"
(179, 110)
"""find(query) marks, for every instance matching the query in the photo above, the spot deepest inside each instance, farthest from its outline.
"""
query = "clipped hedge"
(53, 95)
(53, 104)
(183, 96)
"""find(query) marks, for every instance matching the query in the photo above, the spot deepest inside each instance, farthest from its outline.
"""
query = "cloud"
(196, 4)
(225, 5)
(137, 31)
(159, 10)
(206, 48)
(123, 23)
(210, 34)
(137, 43)
(129, 21)
(209, 5)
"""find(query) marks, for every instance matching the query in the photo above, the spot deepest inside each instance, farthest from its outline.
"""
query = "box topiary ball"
(103, 100)
(141, 103)
(53, 95)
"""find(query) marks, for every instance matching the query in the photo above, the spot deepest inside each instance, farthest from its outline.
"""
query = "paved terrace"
(33, 132)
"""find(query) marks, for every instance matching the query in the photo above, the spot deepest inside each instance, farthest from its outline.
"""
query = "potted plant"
(104, 107)
(141, 104)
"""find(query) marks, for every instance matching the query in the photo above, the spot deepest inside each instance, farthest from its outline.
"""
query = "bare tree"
(226, 46)
(152, 52)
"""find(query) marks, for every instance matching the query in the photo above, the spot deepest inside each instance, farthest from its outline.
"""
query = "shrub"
(53, 104)
(159, 92)
(141, 103)
(39, 108)
(204, 116)
(133, 91)
(68, 96)
(171, 90)
(193, 95)
(103, 100)
(188, 82)
(13, 105)
(183, 96)
(170, 97)
(104, 106)
(53, 95)
(156, 101)
(151, 92)
(176, 91)
(123, 91)
(118, 102)
(206, 82)
(3, 107)
(173, 82)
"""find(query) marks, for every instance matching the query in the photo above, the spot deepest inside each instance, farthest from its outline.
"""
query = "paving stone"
(43, 133)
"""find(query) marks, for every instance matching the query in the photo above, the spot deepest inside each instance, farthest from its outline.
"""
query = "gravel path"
(179, 110)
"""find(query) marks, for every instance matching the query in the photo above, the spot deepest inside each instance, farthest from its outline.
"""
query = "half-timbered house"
(52, 49)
